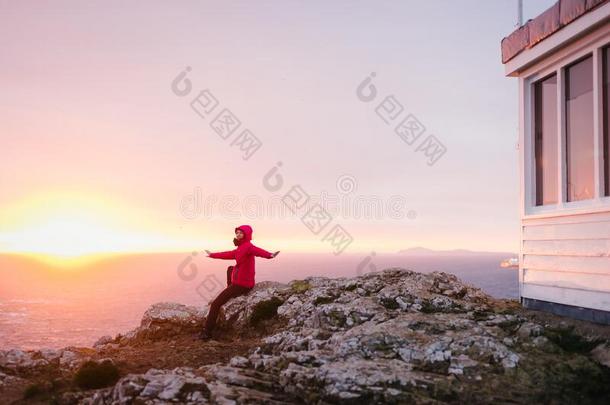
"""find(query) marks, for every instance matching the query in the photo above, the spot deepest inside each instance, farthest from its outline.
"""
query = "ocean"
(42, 306)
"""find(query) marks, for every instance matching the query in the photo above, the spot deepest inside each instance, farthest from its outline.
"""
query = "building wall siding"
(566, 259)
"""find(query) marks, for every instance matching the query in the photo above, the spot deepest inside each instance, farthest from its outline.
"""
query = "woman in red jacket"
(240, 278)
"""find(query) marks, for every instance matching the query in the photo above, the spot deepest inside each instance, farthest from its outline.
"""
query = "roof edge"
(553, 19)
(588, 23)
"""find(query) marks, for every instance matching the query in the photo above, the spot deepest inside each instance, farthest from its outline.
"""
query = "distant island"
(422, 251)
(511, 262)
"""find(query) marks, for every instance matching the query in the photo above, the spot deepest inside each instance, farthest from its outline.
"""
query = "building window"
(606, 118)
(545, 140)
(579, 130)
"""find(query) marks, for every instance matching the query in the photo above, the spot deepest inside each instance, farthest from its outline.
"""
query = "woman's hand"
(275, 254)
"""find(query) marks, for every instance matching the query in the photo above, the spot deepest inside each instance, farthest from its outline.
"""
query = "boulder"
(167, 319)
(104, 340)
(394, 336)
(178, 385)
(601, 354)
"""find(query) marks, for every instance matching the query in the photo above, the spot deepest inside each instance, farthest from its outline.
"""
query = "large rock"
(166, 319)
(6, 379)
(16, 359)
(394, 336)
(180, 385)
(601, 354)
(163, 320)
(26, 362)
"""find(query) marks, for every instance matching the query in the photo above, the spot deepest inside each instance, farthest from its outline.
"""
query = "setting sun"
(66, 234)
(63, 227)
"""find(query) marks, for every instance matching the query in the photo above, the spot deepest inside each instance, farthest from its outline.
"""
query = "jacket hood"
(247, 230)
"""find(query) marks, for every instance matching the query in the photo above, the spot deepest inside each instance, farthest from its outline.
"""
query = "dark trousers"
(231, 291)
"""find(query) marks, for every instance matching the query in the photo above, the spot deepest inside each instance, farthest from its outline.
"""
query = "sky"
(103, 151)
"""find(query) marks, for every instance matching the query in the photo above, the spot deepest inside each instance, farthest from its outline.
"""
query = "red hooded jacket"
(244, 272)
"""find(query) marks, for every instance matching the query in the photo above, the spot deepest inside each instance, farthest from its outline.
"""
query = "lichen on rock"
(394, 336)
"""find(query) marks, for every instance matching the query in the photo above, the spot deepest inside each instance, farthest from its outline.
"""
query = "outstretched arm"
(228, 255)
(256, 251)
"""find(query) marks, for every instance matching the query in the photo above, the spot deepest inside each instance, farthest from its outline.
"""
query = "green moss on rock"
(481, 315)
(570, 341)
(33, 390)
(300, 286)
(265, 310)
(428, 308)
(92, 375)
(389, 303)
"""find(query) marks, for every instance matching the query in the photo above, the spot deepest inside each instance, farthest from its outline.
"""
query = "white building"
(562, 61)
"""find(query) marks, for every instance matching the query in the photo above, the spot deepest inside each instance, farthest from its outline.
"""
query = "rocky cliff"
(394, 336)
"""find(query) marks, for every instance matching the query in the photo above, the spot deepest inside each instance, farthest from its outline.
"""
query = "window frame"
(605, 77)
(557, 64)
(533, 140)
(566, 84)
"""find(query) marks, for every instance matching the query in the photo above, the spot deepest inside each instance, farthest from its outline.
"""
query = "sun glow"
(65, 234)
(73, 228)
